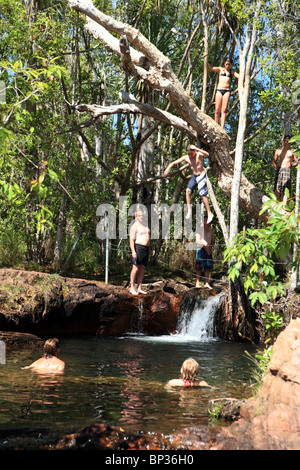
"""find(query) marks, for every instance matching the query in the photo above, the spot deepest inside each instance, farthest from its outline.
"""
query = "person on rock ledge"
(205, 240)
(139, 238)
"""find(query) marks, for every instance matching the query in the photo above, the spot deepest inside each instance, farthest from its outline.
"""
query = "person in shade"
(284, 159)
(49, 363)
(140, 243)
(188, 376)
(205, 240)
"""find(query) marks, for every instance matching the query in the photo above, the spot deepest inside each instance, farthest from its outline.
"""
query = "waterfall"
(195, 323)
(197, 318)
(140, 320)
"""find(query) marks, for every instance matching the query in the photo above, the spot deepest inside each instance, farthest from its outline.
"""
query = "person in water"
(194, 158)
(223, 90)
(49, 363)
(139, 239)
(189, 373)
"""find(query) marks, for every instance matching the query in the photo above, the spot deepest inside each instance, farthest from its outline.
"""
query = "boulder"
(271, 420)
(14, 339)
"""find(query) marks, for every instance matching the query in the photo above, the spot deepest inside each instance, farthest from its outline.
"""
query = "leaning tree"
(142, 60)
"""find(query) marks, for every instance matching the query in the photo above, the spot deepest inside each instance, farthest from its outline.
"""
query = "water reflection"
(120, 382)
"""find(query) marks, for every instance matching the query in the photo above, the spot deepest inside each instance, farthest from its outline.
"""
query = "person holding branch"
(223, 89)
(194, 158)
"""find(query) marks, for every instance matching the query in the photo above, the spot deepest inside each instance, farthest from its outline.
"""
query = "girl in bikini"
(189, 372)
(223, 90)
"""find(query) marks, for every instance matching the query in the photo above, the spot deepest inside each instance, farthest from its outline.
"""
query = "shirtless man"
(223, 90)
(139, 238)
(283, 160)
(205, 239)
(194, 158)
(49, 363)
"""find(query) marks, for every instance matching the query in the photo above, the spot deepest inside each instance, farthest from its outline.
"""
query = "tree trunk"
(147, 63)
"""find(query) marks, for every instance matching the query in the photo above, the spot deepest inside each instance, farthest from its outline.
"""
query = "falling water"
(197, 318)
(140, 320)
(196, 321)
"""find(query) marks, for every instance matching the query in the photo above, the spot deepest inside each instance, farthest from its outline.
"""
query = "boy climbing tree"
(194, 158)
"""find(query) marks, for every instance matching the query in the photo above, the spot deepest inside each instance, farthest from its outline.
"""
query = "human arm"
(151, 248)
(296, 160)
(132, 238)
(175, 162)
(202, 152)
(212, 69)
(274, 162)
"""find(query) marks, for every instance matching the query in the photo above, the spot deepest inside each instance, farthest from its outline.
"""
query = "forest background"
(57, 165)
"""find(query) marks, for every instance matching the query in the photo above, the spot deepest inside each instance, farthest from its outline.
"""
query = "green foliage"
(255, 252)
(261, 361)
(273, 324)
(48, 62)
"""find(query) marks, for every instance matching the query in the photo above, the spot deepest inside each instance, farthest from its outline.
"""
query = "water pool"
(120, 382)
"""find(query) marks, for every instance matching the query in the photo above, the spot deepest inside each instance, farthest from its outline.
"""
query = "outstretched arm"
(175, 162)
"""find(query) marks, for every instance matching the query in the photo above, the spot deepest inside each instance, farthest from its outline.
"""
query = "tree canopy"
(98, 98)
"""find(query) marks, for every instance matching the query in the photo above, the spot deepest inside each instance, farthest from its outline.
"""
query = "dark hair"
(228, 60)
(286, 137)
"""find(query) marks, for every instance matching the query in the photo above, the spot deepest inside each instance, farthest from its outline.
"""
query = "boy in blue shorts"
(205, 239)
(194, 158)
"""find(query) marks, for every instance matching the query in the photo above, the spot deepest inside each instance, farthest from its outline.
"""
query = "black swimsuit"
(142, 254)
(225, 74)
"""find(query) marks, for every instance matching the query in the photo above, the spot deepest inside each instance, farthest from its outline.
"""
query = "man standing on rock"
(139, 238)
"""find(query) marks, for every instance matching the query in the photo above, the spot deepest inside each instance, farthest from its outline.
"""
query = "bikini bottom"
(223, 91)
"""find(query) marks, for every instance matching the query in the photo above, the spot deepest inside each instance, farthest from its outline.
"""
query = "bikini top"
(226, 74)
(187, 383)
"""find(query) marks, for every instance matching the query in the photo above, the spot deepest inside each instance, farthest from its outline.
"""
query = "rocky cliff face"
(271, 420)
(44, 304)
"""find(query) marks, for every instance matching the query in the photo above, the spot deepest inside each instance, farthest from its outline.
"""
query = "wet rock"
(20, 340)
(227, 408)
(104, 437)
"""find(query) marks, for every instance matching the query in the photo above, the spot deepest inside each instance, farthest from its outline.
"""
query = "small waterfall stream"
(195, 322)
(197, 318)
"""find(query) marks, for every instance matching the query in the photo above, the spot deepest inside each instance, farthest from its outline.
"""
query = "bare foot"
(207, 285)
(210, 217)
(133, 292)
(140, 291)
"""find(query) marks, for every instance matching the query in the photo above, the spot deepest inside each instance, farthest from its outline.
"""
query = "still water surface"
(121, 382)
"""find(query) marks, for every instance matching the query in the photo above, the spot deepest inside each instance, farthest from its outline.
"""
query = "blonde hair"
(189, 369)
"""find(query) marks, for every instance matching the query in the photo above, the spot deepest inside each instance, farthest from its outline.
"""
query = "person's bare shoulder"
(174, 383)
